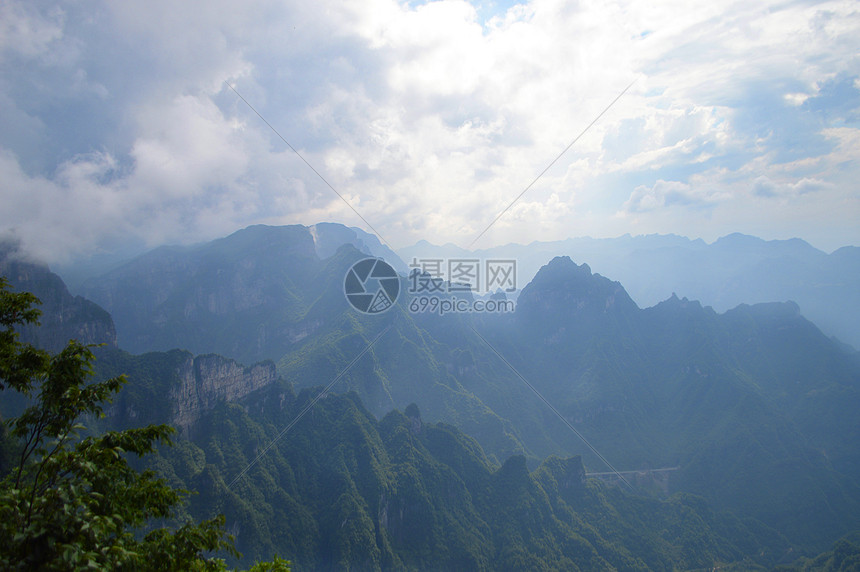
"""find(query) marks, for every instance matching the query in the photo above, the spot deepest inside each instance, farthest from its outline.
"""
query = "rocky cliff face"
(205, 380)
(64, 317)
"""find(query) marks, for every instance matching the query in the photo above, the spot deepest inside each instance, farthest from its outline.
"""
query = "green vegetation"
(843, 557)
(71, 502)
(343, 491)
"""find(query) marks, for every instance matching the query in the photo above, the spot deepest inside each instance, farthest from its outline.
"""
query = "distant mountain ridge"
(735, 269)
(240, 296)
(329, 237)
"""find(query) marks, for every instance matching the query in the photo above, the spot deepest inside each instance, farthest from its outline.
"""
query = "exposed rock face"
(64, 317)
(414, 416)
(573, 476)
(205, 380)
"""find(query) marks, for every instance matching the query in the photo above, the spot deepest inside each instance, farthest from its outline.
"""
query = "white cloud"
(25, 31)
(664, 194)
(185, 148)
(428, 118)
(765, 187)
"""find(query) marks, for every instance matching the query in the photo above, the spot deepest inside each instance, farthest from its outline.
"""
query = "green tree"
(69, 502)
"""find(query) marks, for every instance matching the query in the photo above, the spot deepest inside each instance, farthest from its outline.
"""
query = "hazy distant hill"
(745, 402)
(329, 237)
(736, 269)
(63, 316)
(241, 296)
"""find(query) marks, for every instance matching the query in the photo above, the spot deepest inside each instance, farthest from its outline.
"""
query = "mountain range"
(735, 269)
(753, 409)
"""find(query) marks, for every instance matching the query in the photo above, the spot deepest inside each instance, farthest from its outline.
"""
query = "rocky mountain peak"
(563, 291)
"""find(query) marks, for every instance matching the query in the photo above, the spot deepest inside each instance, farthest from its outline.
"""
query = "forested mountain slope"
(343, 490)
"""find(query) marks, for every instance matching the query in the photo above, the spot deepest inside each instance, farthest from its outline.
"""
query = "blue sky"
(429, 118)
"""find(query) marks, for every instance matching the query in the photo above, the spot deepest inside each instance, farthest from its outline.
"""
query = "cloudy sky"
(118, 130)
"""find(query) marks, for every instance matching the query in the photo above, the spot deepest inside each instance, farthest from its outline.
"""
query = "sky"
(120, 127)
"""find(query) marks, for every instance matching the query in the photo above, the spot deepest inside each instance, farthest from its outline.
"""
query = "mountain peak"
(563, 266)
(328, 237)
(564, 293)
(738, 237)
(514, 472)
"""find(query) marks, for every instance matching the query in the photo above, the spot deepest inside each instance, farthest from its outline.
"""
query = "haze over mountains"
(755, 405)
(736, 269)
